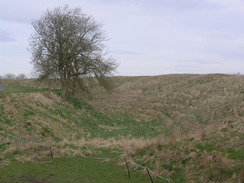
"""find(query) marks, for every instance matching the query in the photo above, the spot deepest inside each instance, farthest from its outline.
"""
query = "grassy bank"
(188, 128)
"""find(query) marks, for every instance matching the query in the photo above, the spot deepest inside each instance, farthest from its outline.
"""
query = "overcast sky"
(147, 37)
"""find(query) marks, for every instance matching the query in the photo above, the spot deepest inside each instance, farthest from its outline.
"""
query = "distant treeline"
(13, 76)
(24, 76)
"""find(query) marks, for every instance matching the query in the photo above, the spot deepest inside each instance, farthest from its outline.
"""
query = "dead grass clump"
(220, 160)
(206, 160)
(130, 146)
(69, 152)
(28, 151)
(172, 141)
(32, 179)
(168, 159)
(4, 163)
(47, 98)
(23, 158)
(10, 104)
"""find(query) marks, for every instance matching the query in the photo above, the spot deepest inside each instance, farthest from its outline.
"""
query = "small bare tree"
(9, 76)
(68, 45)
(21, 76)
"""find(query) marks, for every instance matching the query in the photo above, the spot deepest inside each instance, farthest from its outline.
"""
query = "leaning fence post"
(51, 152)
(127, 167)
(149, 175)
(3, 138)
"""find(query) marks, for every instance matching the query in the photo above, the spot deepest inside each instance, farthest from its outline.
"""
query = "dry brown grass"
(186, 100)
(181, 102)
(32, 111)
(4, 163)
(127, 144)
(25, 151)
(188, 158)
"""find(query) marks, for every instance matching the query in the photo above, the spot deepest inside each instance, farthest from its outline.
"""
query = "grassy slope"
(178, 100)
(207, 109)
(200, 116)
(40, 115)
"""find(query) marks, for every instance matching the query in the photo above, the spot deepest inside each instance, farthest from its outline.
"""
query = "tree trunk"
(64, 90)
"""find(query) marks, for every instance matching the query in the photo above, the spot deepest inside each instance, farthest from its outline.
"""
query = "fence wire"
(132, 162)
(99, 158)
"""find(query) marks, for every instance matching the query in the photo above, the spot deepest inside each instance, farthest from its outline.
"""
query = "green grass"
(69, 170)
(102, 125)
(236, 154)
(8, 89)
(231, 153)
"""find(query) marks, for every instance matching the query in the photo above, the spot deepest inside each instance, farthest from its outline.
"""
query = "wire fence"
(51, 147)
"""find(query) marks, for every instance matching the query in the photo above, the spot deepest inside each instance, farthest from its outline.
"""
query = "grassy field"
(64, 170)
(188, 128)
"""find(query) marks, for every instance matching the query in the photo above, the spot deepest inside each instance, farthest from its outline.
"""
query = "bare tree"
(68, 45)
(9, 76)
(21, 76)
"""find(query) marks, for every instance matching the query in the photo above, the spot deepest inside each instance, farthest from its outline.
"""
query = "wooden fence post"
(127, 167)
(51, 152)
(149, 175)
